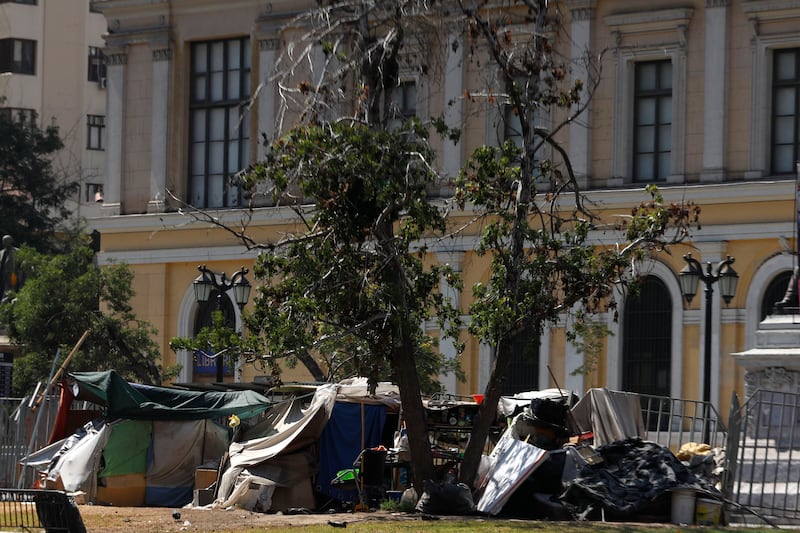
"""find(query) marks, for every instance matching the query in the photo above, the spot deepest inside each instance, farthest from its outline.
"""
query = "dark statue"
(791, 291)
(10, 273)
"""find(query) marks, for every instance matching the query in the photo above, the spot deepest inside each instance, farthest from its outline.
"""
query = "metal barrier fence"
(20, 435)
(673, 422)
(764, 455)
(45, 510)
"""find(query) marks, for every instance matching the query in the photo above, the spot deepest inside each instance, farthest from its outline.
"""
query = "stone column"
(580, 130)
(714, 102)
(115, 97)
(160, 130)
(267, 54)
(453, 90)
(446, 345)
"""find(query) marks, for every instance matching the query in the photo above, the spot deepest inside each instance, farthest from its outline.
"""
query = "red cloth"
(64, 404)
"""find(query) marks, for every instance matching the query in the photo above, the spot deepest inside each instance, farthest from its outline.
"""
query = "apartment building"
(52, 72)
(701, 97)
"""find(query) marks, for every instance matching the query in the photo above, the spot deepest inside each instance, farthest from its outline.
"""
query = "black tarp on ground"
(635, 477)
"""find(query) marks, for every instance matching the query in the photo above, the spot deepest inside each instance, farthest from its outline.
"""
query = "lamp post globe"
(209, 280)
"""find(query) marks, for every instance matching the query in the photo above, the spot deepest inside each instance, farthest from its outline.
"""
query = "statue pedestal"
(772, 370)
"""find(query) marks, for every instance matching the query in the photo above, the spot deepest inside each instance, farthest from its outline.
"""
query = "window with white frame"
(774, 39)
(785, 110)
(218, 140)
(95, 132)
(652, 121)
(651, 46)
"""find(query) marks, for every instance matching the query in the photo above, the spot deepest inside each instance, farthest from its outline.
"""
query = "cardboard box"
(202, 497)
(121, 491)
(204, 478)
(298, 495)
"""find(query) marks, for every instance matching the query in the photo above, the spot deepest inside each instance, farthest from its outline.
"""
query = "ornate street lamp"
(208, 280)
(689, 276)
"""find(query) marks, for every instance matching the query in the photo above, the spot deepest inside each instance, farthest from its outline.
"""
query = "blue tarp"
(341, 443)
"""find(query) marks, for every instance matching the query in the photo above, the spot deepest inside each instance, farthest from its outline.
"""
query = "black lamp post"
(689, 277)
(208, 280)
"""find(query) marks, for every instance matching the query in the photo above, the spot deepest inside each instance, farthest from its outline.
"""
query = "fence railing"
(20, 435)
(673, 422)
(764, 457)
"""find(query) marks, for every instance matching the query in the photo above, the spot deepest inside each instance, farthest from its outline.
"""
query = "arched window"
(523, 369)
(206, 366)
(647, 339)
(775, 292)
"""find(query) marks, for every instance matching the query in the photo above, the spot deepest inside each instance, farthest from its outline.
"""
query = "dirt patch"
(113, 519)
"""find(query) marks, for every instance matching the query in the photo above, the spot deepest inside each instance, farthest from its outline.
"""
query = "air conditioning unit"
(103, 83)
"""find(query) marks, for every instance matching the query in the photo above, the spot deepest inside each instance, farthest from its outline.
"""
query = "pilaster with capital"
(116, 64)
(162, 57)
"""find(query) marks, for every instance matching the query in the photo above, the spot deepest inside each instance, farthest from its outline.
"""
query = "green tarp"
(126, 449)
(146, 402)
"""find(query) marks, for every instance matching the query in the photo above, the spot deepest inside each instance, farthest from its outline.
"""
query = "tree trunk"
(414, 415)
(312, 366)
(486, 415)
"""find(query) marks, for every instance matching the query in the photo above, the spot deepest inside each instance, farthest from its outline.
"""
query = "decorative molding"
(269, 44)
(649, 21)
(117, 58)
(583, 13)
(771, 9)
(163, 54)
(683, 29)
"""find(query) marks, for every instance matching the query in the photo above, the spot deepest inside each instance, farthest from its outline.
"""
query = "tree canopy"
(32, 193)
(64, 295)
(351, 283)
(353, 278)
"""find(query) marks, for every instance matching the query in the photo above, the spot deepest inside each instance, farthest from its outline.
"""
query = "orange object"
(478, 398)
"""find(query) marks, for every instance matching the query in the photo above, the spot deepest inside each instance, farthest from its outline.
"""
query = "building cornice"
(650, 21)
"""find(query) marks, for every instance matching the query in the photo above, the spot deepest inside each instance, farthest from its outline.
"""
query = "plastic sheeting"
(632, 475)
(146, 402)
(511, 462)
(176, 452)
(610, 415)
(287, 429)
(341, 442)
(126, 449)
(78, 461)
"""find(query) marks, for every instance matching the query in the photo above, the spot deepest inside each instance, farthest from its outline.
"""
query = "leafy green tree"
(352, 281)
(32, 194)
(63, 296)
(546, 247)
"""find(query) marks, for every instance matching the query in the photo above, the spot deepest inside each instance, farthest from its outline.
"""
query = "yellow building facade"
(724, 76)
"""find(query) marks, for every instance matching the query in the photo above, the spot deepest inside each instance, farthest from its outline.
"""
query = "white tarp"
(510, 463)
(289, 428)
(508, 405)
(610, 415)
(78, 465)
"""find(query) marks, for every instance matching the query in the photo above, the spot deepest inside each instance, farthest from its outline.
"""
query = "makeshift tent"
(150, 443)
(288, 429)
(609, 416)
(274, 467)
(147, 402)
